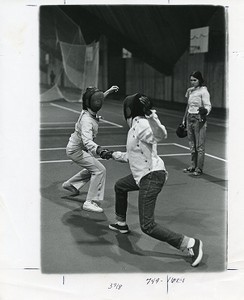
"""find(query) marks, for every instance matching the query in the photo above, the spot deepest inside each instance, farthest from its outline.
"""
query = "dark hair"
(133, 107)
(198, 75)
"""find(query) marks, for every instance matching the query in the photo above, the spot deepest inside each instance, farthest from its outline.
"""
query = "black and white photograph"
(121, 150)
(116, 82)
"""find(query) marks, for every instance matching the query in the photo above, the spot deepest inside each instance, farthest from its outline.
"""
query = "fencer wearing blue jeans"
(148, 175)
(149, 188)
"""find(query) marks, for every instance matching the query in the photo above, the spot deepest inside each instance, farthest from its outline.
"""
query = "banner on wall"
(199, 40)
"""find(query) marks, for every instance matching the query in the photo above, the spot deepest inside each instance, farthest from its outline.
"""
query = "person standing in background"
(198, 108)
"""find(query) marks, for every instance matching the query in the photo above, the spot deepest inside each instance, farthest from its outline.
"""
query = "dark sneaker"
(196, 252)
(189, 170)
(121, 229)
(69, 187)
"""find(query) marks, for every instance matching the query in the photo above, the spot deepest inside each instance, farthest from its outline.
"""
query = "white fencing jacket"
(141, 146)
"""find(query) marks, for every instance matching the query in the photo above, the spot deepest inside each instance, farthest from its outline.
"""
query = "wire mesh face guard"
(96, 101)
(93, 99)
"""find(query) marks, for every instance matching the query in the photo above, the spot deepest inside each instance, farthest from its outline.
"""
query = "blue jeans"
(149, 188)
(196, 132)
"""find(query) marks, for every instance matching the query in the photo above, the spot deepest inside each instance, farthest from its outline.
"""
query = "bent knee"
(117, 187)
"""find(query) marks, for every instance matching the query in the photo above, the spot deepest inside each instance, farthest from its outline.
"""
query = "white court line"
(58, 128)
(78, 112)
(55, 161)
(65, 108)
(52, 149)
(175, 154)
(166, 144)
(110, 146)
(118, 146)
(56, 123)
(112, 123)
(209, 121)
(67, 160)
(209, 155)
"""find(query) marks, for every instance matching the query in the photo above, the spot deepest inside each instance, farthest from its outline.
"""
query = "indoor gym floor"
(77, 241)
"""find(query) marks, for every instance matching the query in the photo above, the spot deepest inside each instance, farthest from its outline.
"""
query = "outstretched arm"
(113, 88)
(120, 156)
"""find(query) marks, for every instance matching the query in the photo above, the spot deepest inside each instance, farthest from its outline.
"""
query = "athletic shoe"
(189, 170)
(197, 172)
(196, 252)
(121, 229)
(92, 206)
(69, 187)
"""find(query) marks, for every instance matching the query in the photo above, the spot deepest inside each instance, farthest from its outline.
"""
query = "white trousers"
(93, 171)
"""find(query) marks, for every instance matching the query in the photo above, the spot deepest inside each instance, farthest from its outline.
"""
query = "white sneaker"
(92, 206)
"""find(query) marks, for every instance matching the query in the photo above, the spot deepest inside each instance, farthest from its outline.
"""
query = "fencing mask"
(93, 99)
